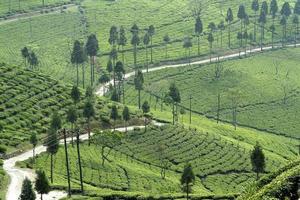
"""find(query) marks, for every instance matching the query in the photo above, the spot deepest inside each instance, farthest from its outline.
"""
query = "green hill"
(51, 35)
(28, 99)
(280, 184)
(265, 86)
(222, 166)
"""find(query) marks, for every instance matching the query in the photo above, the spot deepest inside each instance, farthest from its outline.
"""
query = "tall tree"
(151, 31)
(255, 8)
(283, 23)
(264, 7)
(126, 116)
(33, 142)
(88, 113)
(135, 41)
(241, 15)
(272, 29)
(41, 183)
(297, 8)
(286, 10)
(33, 60)
(122, 41)
(92, 48)
(187, 179)
(221, 27)
(273, 9)
(114, 115)
(210, 40)
(72, 118)
(262, 20)
(229, 19)
(258, 160)
(166, 40)
(146, 41)
(198, 31)
(27, 192)
(25, 55)
(113, 36)
(175, 98)
(120, 72)
(146, 110)
(139, 85)
(52, 148)
(296, 28)
(75, 95)
(113, 56)
(187, 45)
(77, 57)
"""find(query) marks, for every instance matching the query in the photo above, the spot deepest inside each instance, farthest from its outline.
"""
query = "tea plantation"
(52, 35)
(222, 166)
(27, 101)
(267, 88)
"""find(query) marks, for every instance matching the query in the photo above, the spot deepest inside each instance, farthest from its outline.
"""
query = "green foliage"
(27, 192)
(33, 139)
(41, 183)
(258, 159)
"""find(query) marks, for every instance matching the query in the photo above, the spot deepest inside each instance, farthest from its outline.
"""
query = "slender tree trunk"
(147, 62)
(218, 109)
(89, 131)
(67, 163)
(198, 37)
(139, 99)
(77, 69)
(255, 24)
(123, 58)
(51, 166)
(187, 191)
(72, 134)
(229, 35)
(79, 163)
(41, 196)
(33, 153)
(134, 57)
(257, 176)
(261, 38)
(125, 124)
(173, 113)
(83, 75)
(151, 56)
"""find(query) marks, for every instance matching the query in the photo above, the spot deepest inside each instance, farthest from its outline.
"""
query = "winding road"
(17, 175)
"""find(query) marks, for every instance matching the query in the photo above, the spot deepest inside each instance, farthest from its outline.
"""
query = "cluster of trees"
(42, 186)
(30, 58)
(80, 54)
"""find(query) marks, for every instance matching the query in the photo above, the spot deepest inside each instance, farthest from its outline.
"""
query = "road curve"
(100, 91)
(17, 175)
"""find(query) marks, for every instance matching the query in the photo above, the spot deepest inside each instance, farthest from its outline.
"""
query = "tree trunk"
(255, 22)
(173, 113)
(151, 56)
(89, 131)
(198, 45)
(79, 162)
(134, 57)
(41, 196)
(77, 74)
(51, 168)
(257, 176)
(147, 62)
(123, 59)
(187, 191)
(139, 99)
(91, 65)
(83, 75)
(229, 34)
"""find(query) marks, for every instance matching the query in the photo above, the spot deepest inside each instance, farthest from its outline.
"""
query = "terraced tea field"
(222, 166)
(28, 99)
(267, 85)
(51, 36)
